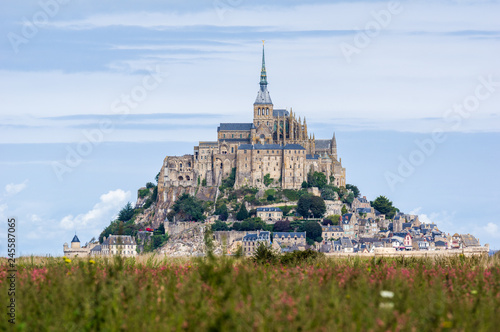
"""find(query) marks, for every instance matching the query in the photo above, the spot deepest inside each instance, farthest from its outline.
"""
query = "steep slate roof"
(97, 248)
(260, 147)
(119, 240)
(346, 242)
(469, 240)
(269, 209)
(347, 217)
(323, 144)
(75, 239)
(235, 127)
(280, 112)
(293, 147)
(263, 96)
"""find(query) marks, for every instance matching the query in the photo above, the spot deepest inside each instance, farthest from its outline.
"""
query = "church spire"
(263, 96)
(334, 146)
(263, 74)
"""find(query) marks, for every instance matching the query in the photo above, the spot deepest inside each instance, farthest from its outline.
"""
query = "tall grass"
(227, 294)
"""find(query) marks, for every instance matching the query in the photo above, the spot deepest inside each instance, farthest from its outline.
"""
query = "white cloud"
(12, 189)
(109, 204)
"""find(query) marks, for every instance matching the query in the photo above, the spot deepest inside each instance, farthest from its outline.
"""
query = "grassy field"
(229, 294)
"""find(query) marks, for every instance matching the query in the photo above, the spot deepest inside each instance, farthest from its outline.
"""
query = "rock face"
(189, 243)
(170, 195)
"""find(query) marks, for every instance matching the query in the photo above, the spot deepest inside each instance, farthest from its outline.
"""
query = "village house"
(270, 214)
(123, 245)
(252, 241)
(289, 240)
(331, 232)
(349, 225)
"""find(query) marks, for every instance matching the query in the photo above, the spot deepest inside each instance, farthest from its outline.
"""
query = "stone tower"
(75, 243)
(263, 106)
(334, 147)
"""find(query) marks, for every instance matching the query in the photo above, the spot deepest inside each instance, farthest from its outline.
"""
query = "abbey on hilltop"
(276, 144)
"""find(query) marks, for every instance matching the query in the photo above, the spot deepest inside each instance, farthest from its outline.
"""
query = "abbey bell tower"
(263, 106)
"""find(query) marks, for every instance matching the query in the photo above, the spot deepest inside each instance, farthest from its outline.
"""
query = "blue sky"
(122, 84)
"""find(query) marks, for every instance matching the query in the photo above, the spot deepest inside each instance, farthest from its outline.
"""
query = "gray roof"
(263, 96)
(323, 144)
(268, 209)
(293, 147)
(208, 143)
(469, 240)
(289, 234)
(280, 112)
(96, 248)
(346, 242)
(75, 239)
(256, 237)
(235, 127)
(260, 147)
(332, 228)
(119, 239)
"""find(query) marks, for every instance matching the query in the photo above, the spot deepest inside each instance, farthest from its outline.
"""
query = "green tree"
(222, 212)
(126, 213)
(188, 207)
(344, 210)
(268, 180)
(304, 205)
(313, 230)
(242, 213)
(384, 206)
(317, 179)
(250, 224)
(332, 220)
(318, 206)
(354, 189)
(282, 226)
(329, 192)
(348, 199)
(219, 226)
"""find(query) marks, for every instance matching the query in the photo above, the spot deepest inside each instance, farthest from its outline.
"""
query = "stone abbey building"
(275, 143)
